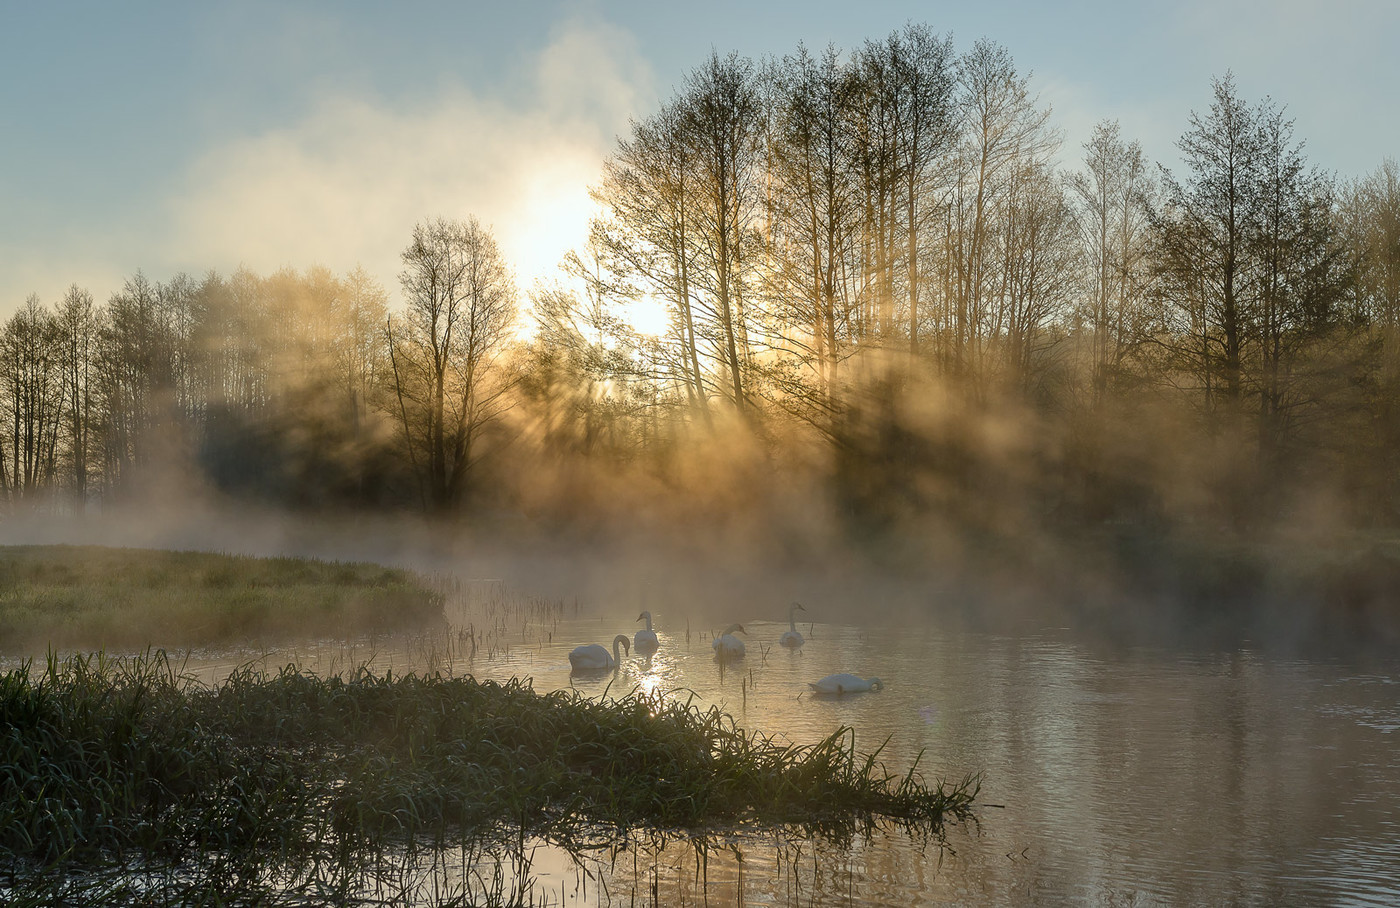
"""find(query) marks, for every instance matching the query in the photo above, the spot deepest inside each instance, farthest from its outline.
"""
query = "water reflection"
(1127, 778)
(1137, 777)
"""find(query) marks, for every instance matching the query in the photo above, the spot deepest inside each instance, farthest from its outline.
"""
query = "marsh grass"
(124, 778)
(89, 598)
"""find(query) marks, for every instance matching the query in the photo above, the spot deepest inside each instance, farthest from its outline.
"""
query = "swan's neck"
(648, 617)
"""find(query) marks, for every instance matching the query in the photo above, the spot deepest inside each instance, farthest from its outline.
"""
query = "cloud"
(346, 184)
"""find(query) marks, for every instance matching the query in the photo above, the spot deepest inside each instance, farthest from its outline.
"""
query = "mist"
(1020, 390)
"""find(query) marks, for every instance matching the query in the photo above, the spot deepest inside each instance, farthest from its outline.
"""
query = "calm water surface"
(1111, 777)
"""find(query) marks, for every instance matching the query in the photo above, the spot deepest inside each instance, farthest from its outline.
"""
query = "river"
(1110, 775)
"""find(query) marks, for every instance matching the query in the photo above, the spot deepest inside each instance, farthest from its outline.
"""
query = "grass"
(89, 598)
(120, 778)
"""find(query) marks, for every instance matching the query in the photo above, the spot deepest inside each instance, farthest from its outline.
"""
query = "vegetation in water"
(71, 597)
(123, 778)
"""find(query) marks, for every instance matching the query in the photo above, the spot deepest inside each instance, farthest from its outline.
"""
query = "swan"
(728, 646)
(846, 684)
(792, 638)
(592, 657)
(645, 642)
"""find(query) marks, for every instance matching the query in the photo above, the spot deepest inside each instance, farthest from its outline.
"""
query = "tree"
(448, 381)
(77, 326)
(31, 389)
(1115, 194)
(721, 119)
(1205, 232)
(647, 241)
(815, 222)
(1300, 280)
(1002, 132)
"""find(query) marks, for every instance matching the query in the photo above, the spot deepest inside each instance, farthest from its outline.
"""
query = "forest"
(840, 297)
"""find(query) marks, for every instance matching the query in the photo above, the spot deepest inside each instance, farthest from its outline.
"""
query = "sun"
(647, 315)
(551, 220)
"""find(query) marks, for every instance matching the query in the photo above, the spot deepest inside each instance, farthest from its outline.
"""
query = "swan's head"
(644, 616)
(733, 628)
(797, 607)
(621, 640)
(876, 684)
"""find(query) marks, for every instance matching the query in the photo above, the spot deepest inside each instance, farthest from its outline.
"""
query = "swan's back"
(590, 655)
(845, 683)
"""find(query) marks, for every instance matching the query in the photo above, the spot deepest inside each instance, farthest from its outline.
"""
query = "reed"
(275, 786)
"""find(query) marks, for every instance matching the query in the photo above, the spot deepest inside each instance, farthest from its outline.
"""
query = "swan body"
(792, 638)
(645, 643)
(592, 657)
(844, 683)
(728, 646)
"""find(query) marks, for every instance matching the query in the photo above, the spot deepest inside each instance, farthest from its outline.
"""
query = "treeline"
(873, 272)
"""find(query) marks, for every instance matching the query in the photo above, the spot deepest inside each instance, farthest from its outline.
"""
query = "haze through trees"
(872, 264)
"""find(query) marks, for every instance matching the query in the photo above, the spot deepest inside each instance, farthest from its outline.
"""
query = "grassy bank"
(87, 597)
(277, 787)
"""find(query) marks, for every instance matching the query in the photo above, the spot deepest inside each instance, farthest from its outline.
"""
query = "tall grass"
(124, 781)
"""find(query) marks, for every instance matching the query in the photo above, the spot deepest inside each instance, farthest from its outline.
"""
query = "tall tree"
(31, 389)
(816, 220)
(77, 326)
(1002, 130)
(647, 241)
(722, 119)
(1300, 279)
(1206, 228)
(1115, 193)
(445, 351)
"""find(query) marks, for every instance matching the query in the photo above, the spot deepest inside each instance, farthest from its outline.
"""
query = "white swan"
(791, 637)
(846, 684)
(592, 657)
(645, 642)
(728, 646)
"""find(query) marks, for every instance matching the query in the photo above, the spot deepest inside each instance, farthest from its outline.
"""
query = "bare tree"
(445, 349)
(1002, 131)
(816, 221)
(31, 388)
(646, 244)
(1114, 193)
(721, 118)
(77, 326)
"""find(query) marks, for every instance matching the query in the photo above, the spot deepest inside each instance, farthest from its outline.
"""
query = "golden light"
(551, 220)
(647, 316)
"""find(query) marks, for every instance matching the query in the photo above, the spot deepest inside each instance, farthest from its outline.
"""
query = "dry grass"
(89, 598)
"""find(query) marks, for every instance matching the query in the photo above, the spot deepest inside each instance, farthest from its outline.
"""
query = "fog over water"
(1116, 769)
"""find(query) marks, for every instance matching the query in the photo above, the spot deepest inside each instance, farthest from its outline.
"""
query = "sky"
(169, 137)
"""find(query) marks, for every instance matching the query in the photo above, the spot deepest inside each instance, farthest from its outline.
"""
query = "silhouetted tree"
(1205, 231)
(445, 351)
(31, 393)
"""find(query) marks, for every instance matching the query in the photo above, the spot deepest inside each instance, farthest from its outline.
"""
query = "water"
(1110, 776)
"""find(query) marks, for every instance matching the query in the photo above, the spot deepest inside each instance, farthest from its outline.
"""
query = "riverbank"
(70, 598)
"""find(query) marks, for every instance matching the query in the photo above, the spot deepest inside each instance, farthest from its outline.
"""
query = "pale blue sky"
(189, 136)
